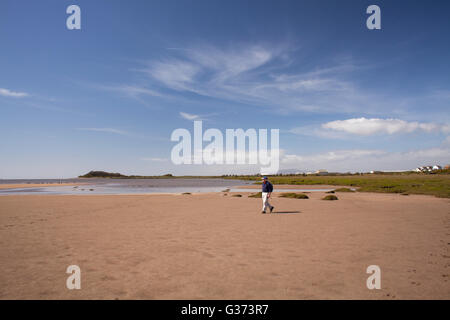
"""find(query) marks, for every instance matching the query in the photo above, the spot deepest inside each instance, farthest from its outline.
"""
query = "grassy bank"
(428, 184)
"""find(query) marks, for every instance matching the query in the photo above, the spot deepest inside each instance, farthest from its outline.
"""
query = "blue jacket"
(267, 187)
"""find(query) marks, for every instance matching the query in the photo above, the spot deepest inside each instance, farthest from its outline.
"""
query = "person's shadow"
(284, 212)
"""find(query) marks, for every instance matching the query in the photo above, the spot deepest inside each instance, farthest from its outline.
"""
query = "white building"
(427, 168)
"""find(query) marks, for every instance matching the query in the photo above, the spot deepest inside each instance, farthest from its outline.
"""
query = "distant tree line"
(102, 174)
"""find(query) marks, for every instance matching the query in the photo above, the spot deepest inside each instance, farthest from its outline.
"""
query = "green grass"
(256, 195)
(237, 195)
(294, 195)
(330, 197)
(411, 183)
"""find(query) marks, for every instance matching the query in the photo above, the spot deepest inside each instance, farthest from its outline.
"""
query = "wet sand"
(36, 185)
(211, 246)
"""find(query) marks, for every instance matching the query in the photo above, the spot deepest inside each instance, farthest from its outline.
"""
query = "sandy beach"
(211, 246)
(36, 185)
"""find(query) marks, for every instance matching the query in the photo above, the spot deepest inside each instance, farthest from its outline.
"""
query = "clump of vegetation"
(226, 190)
(332, 191)
(344, 190)
(330, 197)
(186, 193)
(237, 195)
(102, 174)
(256, 195)
(294, 195)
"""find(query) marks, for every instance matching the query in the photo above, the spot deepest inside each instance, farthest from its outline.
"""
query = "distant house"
(428, 168)
(321, 172)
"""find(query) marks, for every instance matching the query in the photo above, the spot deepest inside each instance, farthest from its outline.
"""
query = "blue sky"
(108, 96)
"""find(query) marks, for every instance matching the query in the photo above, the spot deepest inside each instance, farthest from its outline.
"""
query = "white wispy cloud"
(175, 74)
(362, 127)
(135, 90)
(13, 94)
(105, 130)
(276, 78)
(130, 90)
(365, 127)
(189, 116)
(259, 75)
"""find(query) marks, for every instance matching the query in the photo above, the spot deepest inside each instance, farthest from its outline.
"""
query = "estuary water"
(133, 186)
(121, 186)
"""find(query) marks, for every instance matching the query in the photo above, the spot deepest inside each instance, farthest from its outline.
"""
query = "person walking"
(267, 189)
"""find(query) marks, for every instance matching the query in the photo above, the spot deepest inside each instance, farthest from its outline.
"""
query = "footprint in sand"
(108, 278)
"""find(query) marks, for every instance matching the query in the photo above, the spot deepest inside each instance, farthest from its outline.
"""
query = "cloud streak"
(105, 130)
(365, 127)
(257, 75)
(12, 94)
(189, 116)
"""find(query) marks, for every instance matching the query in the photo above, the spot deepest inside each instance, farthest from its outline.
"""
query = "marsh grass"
(330, 197)
(411, 183)
(256, 195)
(294, 195)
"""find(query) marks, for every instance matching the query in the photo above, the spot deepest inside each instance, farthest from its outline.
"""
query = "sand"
(211, 246)
(36, 185)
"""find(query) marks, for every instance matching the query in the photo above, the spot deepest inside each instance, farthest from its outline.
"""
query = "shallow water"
(136, 186)
(123, 186)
